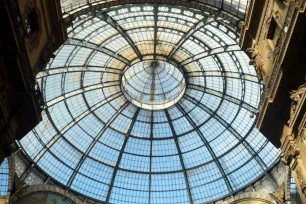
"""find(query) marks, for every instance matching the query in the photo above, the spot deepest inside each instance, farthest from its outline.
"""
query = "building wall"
(49, 36)
(3, 200)
(34, 29)
(274, 47)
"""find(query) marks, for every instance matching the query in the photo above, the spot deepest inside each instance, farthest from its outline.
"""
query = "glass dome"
(96, 141)
(153, 84)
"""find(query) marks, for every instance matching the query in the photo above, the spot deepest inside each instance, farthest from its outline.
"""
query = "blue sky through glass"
(97, 143)
(4, 178)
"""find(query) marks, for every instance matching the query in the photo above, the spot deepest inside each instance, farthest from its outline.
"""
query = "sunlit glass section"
(153, 84)
(237, 8)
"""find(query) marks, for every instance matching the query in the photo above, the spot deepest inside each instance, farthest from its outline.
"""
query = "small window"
(271, 32)
(31, 22)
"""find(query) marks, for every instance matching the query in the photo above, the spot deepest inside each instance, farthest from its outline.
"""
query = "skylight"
(99, 140)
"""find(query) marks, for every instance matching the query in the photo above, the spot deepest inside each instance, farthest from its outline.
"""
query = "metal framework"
(96, 142)
(232, 10)
(229, 187)
(95, 47)
(121, 31)
(180, 156)
(120, 155)
(187, 35)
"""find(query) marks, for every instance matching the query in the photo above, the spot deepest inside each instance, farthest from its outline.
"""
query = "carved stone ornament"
(266, 22)
(257, 61)
(49, 189)
(251, 196)
(284, 38)
(301, 180)
(292, 152)
(296, 98)
(295, 3)
(279, 194)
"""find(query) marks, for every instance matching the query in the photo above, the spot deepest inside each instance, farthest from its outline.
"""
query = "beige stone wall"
(275, 11)
(2, 200)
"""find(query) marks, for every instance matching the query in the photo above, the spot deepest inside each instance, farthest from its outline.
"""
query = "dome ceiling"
(153, 84)
(150, 104)
(236, 8)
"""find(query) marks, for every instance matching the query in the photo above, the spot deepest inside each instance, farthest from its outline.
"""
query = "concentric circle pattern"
(153, 84)
(96, 142)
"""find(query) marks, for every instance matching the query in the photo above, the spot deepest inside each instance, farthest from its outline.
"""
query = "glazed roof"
(96, 141)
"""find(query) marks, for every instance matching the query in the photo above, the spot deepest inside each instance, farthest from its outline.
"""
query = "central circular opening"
(153, 85)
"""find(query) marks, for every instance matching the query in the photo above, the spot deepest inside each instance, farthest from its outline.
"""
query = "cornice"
(48, 189)
(251, 195)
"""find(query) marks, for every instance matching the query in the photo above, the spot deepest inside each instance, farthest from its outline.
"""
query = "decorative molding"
(287, 182)
(251, 195)
(299, 173)
(302, 130)
(298, 98)
(301, 180)
(294, 7)
(279, 194)
(266, 21)
(48, 189)
(283, 42)
(290, 153)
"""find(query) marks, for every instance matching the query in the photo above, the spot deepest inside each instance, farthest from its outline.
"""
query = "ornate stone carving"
(296, 97)
(51, 189)
(250, 195)
(281, 46)
(295, 3)
(292, 14)
(266, 22)
(292, 152)
(301, 180)
(257, 61)
(296, 94)
(279, 194)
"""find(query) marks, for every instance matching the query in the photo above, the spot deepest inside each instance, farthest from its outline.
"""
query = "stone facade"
(32, 31)
(293, 139)
(267, 35)
(272, 46)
